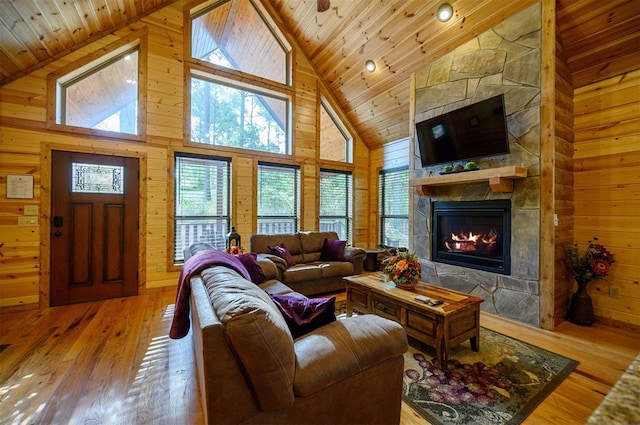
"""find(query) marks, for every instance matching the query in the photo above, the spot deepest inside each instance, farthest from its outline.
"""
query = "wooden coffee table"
(442, 327)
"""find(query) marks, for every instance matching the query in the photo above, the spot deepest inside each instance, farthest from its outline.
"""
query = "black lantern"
(233, 239)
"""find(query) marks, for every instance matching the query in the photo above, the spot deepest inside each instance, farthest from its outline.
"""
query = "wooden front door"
(94, 227)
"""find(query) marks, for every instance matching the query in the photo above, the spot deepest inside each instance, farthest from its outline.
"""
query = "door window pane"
(97, 178)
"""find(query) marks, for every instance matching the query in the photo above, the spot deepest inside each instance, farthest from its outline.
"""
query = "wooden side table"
(371, 259)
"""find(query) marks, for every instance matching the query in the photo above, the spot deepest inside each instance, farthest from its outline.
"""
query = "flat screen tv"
(470, 132)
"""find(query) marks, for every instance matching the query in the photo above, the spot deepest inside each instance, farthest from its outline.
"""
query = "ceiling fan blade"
(323, 5)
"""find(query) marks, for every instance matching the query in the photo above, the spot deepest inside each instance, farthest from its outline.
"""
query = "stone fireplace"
(504, 60)
(473, 234)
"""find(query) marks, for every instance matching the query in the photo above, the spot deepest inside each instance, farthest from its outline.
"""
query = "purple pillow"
(303, 315)
(250, 263)
(333, 250)
(282, 252)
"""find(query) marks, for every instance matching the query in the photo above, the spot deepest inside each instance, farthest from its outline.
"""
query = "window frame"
(325, 103)
(349, 201)
(239, 79)
(382, 217)
(175, 217)
(276, 32)
(239, 85)
(297, 195)
(88, 65)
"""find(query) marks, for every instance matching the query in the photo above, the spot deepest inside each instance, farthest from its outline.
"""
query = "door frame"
(45, 208)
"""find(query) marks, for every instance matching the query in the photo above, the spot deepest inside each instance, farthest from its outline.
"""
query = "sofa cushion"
(258, 334)
(276, 287)
(250, 263)
(304, 315)
(260, 243)
(311, 244)
(301, 273)
(333, 250)
(362, 341)
(282, 252)
(336, 268)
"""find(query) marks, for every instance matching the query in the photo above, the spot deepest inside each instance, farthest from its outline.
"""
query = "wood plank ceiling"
(600, 38)
(35, 32)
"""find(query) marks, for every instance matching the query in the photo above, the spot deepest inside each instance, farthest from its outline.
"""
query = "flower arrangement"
(235, 250)
(403, 269)
(594, 264)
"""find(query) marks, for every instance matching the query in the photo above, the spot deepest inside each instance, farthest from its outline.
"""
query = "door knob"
(58, 233)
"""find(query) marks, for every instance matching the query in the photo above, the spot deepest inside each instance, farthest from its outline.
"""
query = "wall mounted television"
(473, 131)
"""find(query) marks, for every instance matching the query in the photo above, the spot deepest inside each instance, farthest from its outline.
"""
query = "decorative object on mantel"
(594, 264)
(403, 270)
(459, 167)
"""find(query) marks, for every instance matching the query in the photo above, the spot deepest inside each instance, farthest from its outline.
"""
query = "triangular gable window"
(335, 140)
(234, 34)
(101, 93)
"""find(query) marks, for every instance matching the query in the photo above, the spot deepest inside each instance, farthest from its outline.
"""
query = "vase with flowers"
(593, 264)
(403, 270)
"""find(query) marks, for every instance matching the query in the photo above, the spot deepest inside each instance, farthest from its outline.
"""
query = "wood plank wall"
(606, 163)
(563, 183)
(25, 143)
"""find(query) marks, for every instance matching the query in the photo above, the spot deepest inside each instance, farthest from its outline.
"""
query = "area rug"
(500, 384)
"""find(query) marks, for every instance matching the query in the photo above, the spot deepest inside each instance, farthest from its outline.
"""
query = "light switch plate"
(27, 221)
(31, 210)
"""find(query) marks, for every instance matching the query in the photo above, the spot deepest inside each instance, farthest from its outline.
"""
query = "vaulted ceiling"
(600, 39)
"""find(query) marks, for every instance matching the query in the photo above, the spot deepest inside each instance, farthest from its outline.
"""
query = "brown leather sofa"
(310, 275)
(251, 371)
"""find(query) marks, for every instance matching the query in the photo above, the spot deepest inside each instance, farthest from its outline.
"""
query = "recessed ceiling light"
(445, 12)
(370, 65)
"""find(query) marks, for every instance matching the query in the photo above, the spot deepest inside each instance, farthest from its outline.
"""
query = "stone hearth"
(504, 60)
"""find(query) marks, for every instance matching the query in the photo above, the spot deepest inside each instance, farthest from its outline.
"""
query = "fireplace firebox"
(474, 234)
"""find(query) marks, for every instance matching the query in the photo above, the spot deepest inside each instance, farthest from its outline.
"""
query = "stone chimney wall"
(505, 59)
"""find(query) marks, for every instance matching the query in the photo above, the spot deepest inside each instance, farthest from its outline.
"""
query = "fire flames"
(472, 243)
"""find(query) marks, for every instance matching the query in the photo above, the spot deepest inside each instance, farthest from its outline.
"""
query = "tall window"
(394, 207)
(335, 141)
(278, 198)
(226, 115)
(202, 193)
(240, 77)
(102, 95)
(336, 202)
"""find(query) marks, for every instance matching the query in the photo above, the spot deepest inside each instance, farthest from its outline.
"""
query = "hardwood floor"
(112, 362)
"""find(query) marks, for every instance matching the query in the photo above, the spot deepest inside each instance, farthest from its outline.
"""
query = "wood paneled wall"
(25, 144)
(606, 163)
(563, 207)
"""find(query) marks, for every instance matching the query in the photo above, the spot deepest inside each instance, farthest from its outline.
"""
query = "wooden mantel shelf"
(500, 179)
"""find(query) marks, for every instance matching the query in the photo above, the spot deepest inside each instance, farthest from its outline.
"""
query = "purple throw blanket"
(191, 267)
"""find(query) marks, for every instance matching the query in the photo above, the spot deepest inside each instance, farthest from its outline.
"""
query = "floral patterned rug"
(500, 384)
